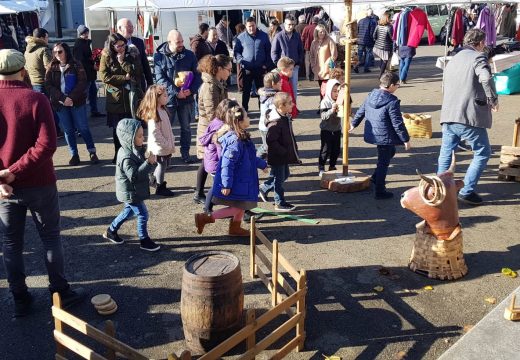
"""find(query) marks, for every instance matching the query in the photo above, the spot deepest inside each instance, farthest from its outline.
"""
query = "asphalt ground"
(343, 254)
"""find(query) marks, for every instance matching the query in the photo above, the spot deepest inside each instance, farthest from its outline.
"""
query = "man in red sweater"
(307, 38)
(28, 182)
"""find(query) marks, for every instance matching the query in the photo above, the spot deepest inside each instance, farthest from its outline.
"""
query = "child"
(132, 186)
(161, 141)
(212, 148)
(272, 85)
(384, 127)
(336, 73)
(285, 68)
(281, 150)
(236, 178)
(330, 126)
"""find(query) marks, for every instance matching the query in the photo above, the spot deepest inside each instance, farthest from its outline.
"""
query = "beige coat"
(161, 140)
(37, 57)
(211, 93)
(321, 53)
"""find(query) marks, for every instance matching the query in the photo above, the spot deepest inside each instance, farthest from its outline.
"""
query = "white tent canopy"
(193, 5)
(14, 7)
(454, 2)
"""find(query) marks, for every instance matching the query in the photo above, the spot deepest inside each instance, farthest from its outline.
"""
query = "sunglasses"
(58, 52)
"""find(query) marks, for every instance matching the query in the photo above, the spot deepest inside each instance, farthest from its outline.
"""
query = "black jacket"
(221, 48)
(83, 53)
(200, 47)
(147, 72)
(281, 144)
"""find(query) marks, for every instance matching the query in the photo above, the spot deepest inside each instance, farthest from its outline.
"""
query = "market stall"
(17, 20)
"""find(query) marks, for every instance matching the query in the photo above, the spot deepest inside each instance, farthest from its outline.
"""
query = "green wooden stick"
(286, 216)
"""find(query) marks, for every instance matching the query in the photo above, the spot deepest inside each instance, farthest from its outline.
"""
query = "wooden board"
(510, 150)
(360, 181)
(510, 160)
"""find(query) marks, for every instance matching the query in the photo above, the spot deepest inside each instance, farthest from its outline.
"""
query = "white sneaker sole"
(112, 241)
(150, 250)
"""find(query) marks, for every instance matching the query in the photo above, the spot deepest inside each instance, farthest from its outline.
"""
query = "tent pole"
(446, 47)
(346, 101)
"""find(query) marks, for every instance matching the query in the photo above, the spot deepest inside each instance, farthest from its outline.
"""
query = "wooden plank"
(285, 285)
(280, 354)
(272, 337)
(510, 150)
(510, 160)
(263, 277)
(274, 274)
(110, 330)
(287, 266)
(252, 248)
(300, 309)
(58, 325)
(516, 135)
(77, 347)
(251, 340)
(264, 240)
(265, 260)
(96, 334)
(509, 171)
(242, 334)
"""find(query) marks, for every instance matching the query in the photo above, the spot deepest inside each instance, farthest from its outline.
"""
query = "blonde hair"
(285, 63)
(281, 98)
(337, 73)
(234, 116)
(318, 28)
(148, 108)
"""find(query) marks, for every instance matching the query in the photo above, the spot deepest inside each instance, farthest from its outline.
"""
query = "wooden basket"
(418, 128)
(438, 259)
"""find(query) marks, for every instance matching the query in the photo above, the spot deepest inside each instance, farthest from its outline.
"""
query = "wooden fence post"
(274, 273)
(300, 309)
(252, 261)
(251, 340)
(58, 325)
(111, 331)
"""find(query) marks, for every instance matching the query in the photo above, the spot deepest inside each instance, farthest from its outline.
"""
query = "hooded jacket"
(78, 93)
(266, 100)
(212, 147)
(384, 124)
(166, 66)
(37, 58)
(330, 120)
(132, 169)
(237, 169)
(281, 143)
(211, 93)
(200, 46)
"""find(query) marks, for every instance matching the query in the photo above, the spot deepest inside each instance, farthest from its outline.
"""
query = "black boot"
(22, 304)
(162, 190)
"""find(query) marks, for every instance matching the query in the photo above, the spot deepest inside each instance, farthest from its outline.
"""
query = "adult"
(218, 47)
(37, 57)
(126, 29)
(252, 52)
(383, 43)
(170, 59)
(215, 71)
(289, 43)
(83, 53)
(365, 40)
(199, 44)
(119, 68)
(307, 39)
(469, 98)
(240, 28)
(28, 182)
(274, 28)
(224, 32)
(66, 84)
(301, 24)
(7, 41)
(323, 51)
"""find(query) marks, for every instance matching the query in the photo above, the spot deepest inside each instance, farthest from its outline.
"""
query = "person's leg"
(160, 170)
(140, 210)
(406, 67)
(12, 227)
(117, 144)
(294, 81)
(246, 89)
(382, 67)
(124, 215)
(185, 116)
(268, 184)
(478, 139)
(202, 175)
(335, 148)
(79, 115)
(208, 205)
(384, 155)
(450, 139)
(226, 212)
(44, 206)
(262, 149)
(361, 59)
(69, 130)
(258, 81)
(240, 78)
(324, 149)
(92, 97)
(368, 58)
(279, 178)
(308, 65)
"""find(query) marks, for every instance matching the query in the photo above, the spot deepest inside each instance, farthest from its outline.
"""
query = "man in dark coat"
(83, 53)
(126, 28)
(217, 46)
(366, 28)
(199, 44)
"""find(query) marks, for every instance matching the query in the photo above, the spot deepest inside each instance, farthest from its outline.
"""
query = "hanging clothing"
(417, 23)
(486, 22)
(457, 30)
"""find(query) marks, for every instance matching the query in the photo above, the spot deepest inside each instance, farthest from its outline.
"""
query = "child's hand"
(351, 128)
(335, 107)
(152, 159)
(225, 192)
(407, 146)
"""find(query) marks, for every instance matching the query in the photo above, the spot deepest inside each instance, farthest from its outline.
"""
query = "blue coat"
(166, 67)
(384, 123)
(291, 47)
(253, 52)
(366, 28)
(237, 169)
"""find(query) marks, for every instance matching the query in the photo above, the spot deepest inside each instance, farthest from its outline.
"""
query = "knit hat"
(82, 29)
(11, 61)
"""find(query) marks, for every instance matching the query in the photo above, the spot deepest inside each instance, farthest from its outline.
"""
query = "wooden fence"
(285, 299)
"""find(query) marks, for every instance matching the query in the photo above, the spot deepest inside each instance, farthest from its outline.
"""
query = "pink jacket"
(417, 23)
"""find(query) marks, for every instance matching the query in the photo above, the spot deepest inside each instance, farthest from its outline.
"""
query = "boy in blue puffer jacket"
(384, 127)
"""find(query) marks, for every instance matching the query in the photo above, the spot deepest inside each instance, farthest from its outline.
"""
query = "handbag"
(394, 62)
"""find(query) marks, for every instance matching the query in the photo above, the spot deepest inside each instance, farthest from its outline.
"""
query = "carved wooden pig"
(435, 200)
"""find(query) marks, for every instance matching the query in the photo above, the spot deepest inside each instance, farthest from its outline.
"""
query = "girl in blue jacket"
(236, 177)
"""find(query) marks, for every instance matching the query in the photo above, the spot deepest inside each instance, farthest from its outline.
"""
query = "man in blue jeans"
(28, 182)
(365, 42)
(469, 98)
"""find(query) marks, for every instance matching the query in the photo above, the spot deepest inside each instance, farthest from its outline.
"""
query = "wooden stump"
(357, 181)
(438, 259)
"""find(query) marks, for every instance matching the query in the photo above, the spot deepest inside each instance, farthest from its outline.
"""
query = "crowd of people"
(182, 82)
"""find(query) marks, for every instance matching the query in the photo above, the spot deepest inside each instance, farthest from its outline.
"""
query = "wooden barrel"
(212, 299)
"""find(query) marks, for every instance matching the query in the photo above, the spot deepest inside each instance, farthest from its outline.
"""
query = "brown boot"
(236, 230)
(201, 220)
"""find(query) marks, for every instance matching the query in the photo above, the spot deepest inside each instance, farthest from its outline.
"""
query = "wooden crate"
(509, 168)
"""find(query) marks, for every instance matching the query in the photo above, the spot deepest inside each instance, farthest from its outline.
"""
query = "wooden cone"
(360, 181)
(437, 259)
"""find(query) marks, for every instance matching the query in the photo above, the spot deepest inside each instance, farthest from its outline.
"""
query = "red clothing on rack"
(417, 23)
(457, 30)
